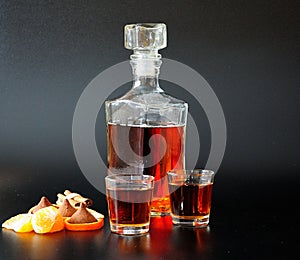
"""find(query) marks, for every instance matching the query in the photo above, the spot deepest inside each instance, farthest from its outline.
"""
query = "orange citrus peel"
(84, 226)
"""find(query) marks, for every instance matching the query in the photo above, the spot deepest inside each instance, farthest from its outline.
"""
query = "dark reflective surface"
(250, 219)
(163, 240)
(235, 232)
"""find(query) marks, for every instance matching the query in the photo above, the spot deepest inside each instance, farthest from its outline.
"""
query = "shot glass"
(129, 199)
(190, 196)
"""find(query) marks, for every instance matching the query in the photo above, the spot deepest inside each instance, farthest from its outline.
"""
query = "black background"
(248, 51)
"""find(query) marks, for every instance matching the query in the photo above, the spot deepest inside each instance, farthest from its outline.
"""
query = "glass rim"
(191, 172)
(114, 178)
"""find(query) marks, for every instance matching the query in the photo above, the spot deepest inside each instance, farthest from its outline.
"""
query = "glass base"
(129, 229)
(191, 221)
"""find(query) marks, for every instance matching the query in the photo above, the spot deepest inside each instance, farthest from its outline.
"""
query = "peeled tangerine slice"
(47, 220)
(19, 223)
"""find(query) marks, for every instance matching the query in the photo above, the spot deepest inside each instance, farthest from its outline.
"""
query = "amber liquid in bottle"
(153, 163)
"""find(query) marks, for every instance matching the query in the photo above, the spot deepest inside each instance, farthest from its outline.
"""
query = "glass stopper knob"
(145, 36)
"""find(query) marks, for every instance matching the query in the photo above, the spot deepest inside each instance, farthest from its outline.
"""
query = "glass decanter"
(146, 127)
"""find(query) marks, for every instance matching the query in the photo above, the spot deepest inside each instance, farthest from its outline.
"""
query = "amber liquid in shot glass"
(128, 211)
(129, 203)
(190, 197)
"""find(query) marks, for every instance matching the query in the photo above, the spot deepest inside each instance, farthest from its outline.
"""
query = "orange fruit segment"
(47, 220)
(84, 226)
(58, 225)
(19, 223)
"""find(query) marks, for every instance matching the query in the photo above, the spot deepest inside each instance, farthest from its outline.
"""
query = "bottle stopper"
(145, 36)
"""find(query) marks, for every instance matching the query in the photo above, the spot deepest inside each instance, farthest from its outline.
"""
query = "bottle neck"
(145, 69)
